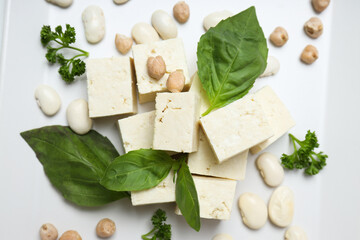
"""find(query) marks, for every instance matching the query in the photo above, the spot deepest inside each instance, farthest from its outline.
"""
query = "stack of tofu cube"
(218, 150)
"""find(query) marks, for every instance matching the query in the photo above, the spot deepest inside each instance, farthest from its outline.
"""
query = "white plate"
(322, 97)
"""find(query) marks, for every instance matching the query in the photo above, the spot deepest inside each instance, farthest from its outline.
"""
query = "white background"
(323, 97)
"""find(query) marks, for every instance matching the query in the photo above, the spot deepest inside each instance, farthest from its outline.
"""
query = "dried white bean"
(120, 1)
(214, 18)
(61, 3)
(272, 67)
(281, 206)
(77, 115)
(270, 169)
(253, 210)
(47, 99)
(144, 33)
(222, 236)
(164, 24)
(295, 233)
(94, 24)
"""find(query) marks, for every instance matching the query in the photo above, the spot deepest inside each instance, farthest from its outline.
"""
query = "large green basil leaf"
(75, 164)
(137, 170)
(186, 197)
(231, 56)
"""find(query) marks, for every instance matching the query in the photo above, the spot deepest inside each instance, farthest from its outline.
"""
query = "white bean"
(270, 169)
(94, 23)
(295, 233)
(47, 99)
(253, 210)
(281, 206)
(120, 1)
(214, 18)
(222, 236)
(77, 115)
(61, 3)
(272, 67)
(164, 24)
(144, 33)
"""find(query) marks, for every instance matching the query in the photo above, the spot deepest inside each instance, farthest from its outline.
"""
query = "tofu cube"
(236, 127)
(111, 88)
(173, 53)
(162, 193)
(137, 131)
(176, 122)
(276, 113)
(204, 162)
(215, 196)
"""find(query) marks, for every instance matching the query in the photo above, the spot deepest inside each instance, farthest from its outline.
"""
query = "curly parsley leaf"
(305, 156)
(69, 67)
(161, 230)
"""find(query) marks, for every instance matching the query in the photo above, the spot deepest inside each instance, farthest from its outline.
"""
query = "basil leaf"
(137, 170)
(186, 197)
(230, 57)
(74, 164)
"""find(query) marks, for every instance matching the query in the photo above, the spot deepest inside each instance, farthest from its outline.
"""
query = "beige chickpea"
(70, 235)
(105, 228)
(279, 36)
(48, 232)
(309, 54)
(123, 43)
(176, 81)
(313, 27)
(156, 67)
(181, 12)
(320, 5)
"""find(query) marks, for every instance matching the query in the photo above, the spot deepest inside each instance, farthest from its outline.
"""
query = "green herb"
(70, 67)
(305, 157)
(75, 164)
(230, 57)
(161, 230)
(186, 196)
(137, 170)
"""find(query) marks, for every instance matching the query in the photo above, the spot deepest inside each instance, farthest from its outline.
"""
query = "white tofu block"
(276, 113)
(173, 53)
(176, 122)
(137, 131)
(215, 196)
(236, 127)
(162, 193)
(111, 89)
(204, 162)
(197, 88)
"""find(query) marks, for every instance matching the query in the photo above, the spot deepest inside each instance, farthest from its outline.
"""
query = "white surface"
(322, 97)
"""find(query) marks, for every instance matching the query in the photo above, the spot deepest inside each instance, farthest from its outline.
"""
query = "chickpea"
(313, 27)
(70, 235)
(181, 12)
(105, 228)
(320, 5)
(48, 232)
(309, 54)
(279, 36)
(123, 44)
(176, 81)
(156, 67)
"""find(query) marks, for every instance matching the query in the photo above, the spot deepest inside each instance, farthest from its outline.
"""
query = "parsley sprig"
(70, 67)
(161, 230)
(305, 156)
